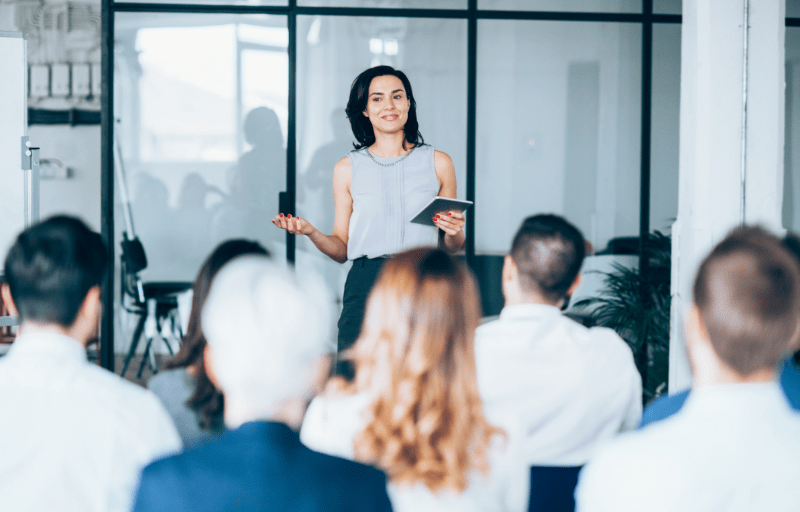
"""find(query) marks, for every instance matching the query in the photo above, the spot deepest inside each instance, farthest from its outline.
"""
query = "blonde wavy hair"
(415, 359)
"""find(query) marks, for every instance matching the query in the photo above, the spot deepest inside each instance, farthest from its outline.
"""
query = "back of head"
(193, 342)
(548, 252)
(51, 267)
(266, 327)
(416, 357)
(748, 294)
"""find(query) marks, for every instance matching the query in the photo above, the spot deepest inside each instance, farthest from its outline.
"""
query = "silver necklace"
(391, 164)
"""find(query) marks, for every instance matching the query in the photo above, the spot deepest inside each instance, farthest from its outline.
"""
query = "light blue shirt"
(386, 198)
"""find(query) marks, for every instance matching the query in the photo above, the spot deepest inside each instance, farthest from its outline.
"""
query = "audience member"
(735, 445)
(192, 400)
(265, 330)
(413, 408)
(573, 387)
(666, 406)
(75, 436)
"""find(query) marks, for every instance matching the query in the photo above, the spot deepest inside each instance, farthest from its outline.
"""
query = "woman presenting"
(378, 188)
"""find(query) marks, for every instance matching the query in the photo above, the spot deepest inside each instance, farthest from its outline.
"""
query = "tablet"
(437, 205)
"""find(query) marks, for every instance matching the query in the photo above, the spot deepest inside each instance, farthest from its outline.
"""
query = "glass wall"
(558, 128)
(331, 52)
(562, 6)
(201, 105)
(405, 4)
(665, 123)
(667, 7)
(791, 161)
(201, 109)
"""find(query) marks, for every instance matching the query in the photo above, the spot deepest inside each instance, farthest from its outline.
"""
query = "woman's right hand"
(294, 225)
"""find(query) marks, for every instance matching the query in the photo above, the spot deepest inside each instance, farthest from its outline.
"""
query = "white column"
(710, 176)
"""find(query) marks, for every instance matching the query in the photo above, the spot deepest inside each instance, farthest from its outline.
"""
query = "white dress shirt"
(332, 422)
(732, 448)
(74, 436)
(572, 388)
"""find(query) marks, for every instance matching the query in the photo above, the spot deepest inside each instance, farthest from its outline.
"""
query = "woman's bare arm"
(452, 223)
(335, 245)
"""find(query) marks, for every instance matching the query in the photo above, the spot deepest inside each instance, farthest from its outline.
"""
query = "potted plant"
(636, 304)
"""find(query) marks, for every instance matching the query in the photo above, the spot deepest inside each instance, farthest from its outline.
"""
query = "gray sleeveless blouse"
(385, 199)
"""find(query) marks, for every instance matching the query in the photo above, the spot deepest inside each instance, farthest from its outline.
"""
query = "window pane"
(791, 162)
(202, 108)
(331, 52)
(558, 128)
(792, 10)
(665, 125)
(634, 6)
(667, 6)
(213, 2)
(405, 4)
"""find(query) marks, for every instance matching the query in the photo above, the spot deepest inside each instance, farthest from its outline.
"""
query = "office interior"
(227, 112)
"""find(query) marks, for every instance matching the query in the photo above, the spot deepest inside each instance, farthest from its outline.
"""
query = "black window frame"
(471, 14)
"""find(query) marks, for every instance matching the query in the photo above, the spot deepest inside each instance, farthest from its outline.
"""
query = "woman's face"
(387, 104)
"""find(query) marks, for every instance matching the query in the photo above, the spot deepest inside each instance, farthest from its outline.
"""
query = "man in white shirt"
(735, 445)
(572, 387)
(74, 436)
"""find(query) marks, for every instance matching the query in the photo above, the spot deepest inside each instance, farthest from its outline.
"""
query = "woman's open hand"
(451, 223)
(294, 225)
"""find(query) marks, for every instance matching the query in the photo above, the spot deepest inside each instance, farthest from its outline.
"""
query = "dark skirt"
(360, 279)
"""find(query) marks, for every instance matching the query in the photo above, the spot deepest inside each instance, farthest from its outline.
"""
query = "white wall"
(78, 148)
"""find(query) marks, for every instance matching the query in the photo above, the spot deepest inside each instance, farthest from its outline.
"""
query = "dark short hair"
(748, 293)
(357, 104)
(548, 252)
(206, 399)
(52, 266)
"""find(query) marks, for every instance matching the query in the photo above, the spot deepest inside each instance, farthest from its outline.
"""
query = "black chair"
(553, 488)
(153, 301)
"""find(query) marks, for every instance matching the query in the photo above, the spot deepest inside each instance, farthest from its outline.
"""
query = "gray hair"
(265, 327)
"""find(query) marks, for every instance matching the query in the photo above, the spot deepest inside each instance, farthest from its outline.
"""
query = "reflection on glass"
(331, 52)
(667, 6)
(558, 128)
(405, 4)
(633, 6)
(201, 102)
(791, 159)
(665, 125)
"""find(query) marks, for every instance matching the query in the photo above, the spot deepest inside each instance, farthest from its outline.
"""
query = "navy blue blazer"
(260, 466)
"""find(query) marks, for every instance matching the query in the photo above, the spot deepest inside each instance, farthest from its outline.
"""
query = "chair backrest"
(133, 260)
(553, 488)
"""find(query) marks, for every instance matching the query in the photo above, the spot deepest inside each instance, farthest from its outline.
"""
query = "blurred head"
(390, 92)
(193, 343)
(545, 259)
(52, 268)
(415, 357)
(266, 329)
(747, 299)
(206, 399)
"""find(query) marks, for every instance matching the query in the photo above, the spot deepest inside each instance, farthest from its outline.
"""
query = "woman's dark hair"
(357, 104)
(206, 400)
